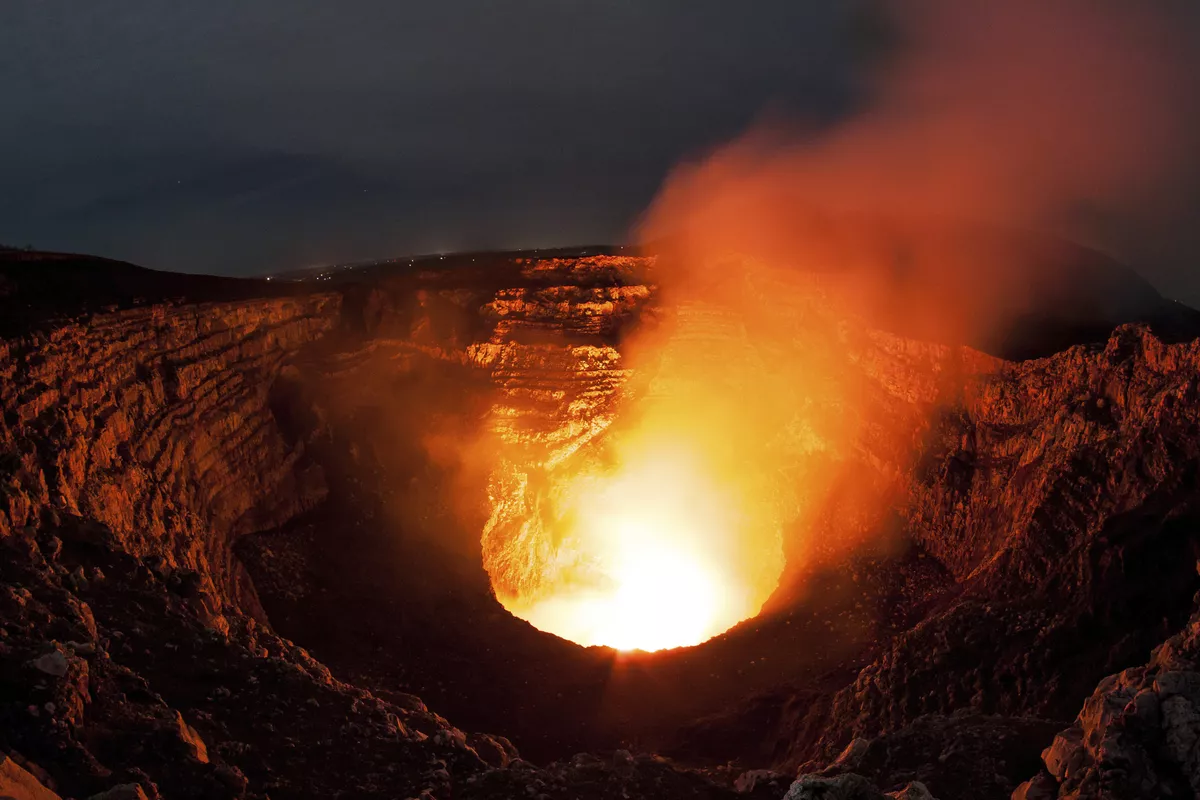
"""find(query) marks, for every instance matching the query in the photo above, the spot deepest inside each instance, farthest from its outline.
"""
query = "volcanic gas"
(647, 506)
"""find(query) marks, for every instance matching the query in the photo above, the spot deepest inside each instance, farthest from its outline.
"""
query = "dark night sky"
(240, 137)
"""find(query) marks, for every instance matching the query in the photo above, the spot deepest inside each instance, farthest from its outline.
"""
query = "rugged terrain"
(242, 537)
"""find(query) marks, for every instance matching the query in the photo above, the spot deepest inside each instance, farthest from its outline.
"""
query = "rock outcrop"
(19, 784)
(155, 422)
(1135, 736)
(849, 786)
(118, 683)
(1060, 494)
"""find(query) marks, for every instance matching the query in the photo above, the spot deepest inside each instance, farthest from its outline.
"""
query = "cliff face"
(1061, 495)
(154, 421)
(1044, 453)
(978, 542)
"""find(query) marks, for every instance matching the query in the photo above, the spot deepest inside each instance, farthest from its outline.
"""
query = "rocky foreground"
(175, 472)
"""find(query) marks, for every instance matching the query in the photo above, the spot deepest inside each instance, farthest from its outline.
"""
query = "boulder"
(841, 787)
(754, 779)
(913, 791)
(54, 663)
(1062, 750)
(1041, 787)
(126, 791)
(17, 783)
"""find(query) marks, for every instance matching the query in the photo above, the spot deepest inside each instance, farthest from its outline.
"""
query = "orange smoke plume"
(1015, 114)
(757, 427)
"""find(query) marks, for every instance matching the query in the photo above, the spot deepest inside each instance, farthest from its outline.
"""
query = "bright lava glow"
(653, 561)
(654, 517)
(657, 598)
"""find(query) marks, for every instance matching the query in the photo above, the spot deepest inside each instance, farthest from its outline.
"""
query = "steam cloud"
(1018, 114)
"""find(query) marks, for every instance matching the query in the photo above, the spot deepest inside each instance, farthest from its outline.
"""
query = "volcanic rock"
(847, 786)
(126, 791)
(51, 663)
(1136, 734)
(17, 783)
(914, 791)
(192, 471)
(761, 780)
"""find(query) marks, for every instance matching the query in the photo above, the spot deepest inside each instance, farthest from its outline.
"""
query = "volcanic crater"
(304, 537)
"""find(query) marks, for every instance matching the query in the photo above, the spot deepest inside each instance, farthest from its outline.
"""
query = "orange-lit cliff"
(206, 480)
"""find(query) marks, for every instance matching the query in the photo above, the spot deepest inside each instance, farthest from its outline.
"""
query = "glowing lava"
(639, 498)
(651, 557)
